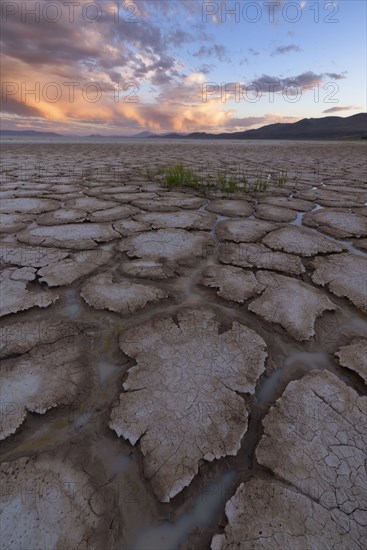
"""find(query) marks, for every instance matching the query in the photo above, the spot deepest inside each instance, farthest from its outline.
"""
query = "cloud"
(146, 53)
(338, 109)
(183, 119)
(13, 106)
(77, 48)
(337, 76)
(149, 8)
(158, 69)
(205, 68)
(178, 37)
(178, 106)
(239, 124)
(304, 81)
(281, 50)
(217, 50)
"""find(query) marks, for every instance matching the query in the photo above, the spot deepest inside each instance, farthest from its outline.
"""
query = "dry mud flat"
(181, 371)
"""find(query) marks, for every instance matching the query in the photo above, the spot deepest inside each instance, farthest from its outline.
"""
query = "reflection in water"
(83, 419)
(106, 370)
(311, 360)
(298, 220)
(218, 219)
(115, 462)
(72, 307)
(169, 536)
(269, 385)
(298, 363)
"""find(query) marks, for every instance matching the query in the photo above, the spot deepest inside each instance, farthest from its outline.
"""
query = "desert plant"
(282, 178)
(223, 179)
(178, 175)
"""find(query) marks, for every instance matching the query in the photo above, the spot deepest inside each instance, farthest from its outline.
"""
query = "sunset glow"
(124, 67)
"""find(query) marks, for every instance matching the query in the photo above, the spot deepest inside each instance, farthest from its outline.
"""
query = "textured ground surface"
(179, 371)
(195, 363)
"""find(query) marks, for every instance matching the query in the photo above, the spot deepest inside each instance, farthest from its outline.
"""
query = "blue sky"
(148, 65)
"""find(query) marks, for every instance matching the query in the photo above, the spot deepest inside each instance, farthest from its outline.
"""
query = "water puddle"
(107, 246)
(269, 386)
(106, 370)
(351, 248)
(83, 419)
(310, 360)
(218, 219)
(115, 462)
(204, 207)
(169, 536)
(296, 364)
(347, 244)
(298, 220)
(190, 283)
(353, 327)
(73, 304)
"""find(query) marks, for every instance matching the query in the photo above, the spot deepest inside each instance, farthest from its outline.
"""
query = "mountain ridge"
(330, 127)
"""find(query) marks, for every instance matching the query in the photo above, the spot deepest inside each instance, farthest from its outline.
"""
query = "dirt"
(154, 289)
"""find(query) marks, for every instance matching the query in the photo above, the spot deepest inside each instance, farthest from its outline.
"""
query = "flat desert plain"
(183, 370)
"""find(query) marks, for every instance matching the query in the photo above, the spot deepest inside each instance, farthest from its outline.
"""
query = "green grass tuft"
(224, 180)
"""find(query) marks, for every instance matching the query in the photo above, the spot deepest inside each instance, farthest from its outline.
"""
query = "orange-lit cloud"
(66, 75)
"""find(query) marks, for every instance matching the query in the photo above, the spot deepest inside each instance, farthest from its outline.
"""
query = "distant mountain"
(175, 135)
(331, 127)
(123, 136)
(143, 135)
(28, 133)
(36, 133)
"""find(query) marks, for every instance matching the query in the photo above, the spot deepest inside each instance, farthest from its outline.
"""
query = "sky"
(119, 67)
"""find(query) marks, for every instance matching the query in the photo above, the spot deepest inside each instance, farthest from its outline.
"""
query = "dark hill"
(331, 127)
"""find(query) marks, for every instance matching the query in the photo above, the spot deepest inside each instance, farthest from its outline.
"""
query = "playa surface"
(182, 371)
